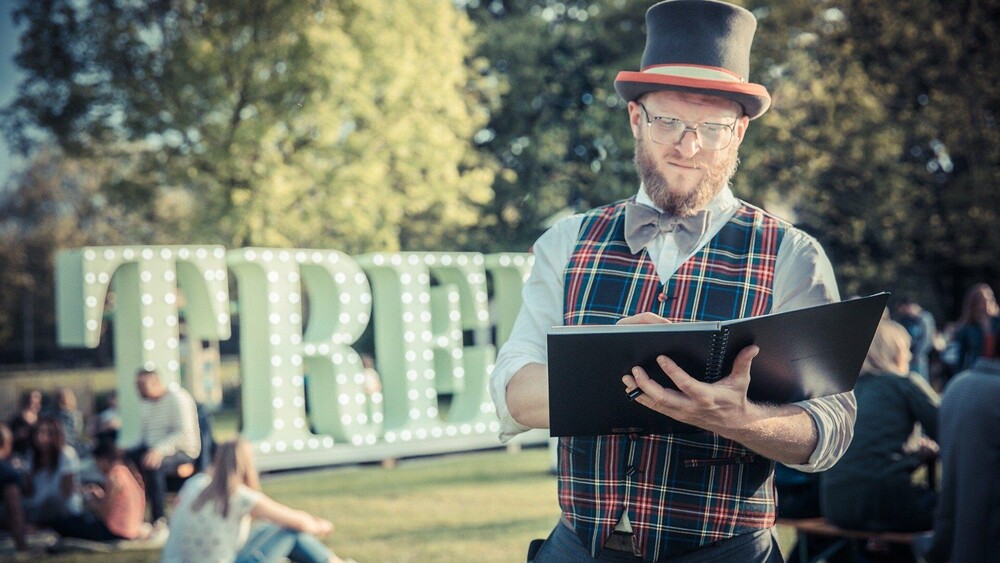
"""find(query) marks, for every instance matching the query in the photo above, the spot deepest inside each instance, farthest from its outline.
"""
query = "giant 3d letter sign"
(304, 395)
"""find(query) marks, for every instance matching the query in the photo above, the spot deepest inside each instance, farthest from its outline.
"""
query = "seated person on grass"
(210, 521)
(52, 487)
(11, 483)
(168, 435)
(116, 509)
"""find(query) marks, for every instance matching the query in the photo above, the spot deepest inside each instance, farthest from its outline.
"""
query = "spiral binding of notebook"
(720, 341)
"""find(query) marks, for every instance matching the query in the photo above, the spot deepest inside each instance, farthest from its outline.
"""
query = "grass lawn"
(476, 507)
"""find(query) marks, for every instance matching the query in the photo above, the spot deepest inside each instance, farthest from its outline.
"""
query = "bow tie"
(642, 223)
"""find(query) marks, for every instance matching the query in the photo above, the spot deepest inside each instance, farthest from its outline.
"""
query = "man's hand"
(785, 433)
(643, 319)
(152, 459)
(720, 407)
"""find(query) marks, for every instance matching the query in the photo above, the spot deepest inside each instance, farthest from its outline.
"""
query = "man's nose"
(688, 143)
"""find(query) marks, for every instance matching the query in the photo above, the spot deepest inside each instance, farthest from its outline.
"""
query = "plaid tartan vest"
(686, 489)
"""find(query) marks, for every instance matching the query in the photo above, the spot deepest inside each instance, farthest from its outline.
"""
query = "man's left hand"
(717, 407)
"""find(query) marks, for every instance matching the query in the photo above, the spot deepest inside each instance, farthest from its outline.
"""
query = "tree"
(883, 139)
(332, 123)
(826, 154)
(55, 203)
(940, 62)
(561, 134)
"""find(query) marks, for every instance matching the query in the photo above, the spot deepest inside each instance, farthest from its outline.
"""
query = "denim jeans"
(155, 480)
(564, 546)
(270, 542)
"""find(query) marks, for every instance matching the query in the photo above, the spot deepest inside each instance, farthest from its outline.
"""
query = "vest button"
(662, 297)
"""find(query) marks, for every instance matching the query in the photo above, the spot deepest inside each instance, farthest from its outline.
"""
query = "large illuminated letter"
(508, 271)
(145, 282)
(305, 396)
(281, 369)
(471, 409)
(407, 339)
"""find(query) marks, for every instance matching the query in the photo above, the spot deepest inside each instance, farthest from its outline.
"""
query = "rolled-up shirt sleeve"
(541, 309)
(834, 417)
(804, 278)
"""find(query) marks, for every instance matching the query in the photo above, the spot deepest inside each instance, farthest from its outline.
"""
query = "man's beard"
(683, 204)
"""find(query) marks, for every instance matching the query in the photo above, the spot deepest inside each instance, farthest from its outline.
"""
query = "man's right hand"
(152, 459)
(646, 318)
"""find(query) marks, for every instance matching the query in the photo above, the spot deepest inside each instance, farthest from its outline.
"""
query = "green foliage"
(561, 135)
(331, 123)
(826, 153)
(884, 139)
(472, 124)
(59, 205)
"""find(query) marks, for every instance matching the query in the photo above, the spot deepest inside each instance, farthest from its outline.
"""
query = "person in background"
(116, 510)
(52, 490)
(71, 418)
(967, 518)
(11, 485)
(168, 436)
(108, 422)
(919, 324)
(23, 423)
(871, 487)
(976, 331)
(213, 512)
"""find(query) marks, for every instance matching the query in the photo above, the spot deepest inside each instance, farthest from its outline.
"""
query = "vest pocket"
(716, 461)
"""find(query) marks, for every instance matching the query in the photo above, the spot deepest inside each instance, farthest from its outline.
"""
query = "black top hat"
(699, 46)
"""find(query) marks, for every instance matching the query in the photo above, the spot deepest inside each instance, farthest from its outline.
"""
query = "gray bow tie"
(642, 223)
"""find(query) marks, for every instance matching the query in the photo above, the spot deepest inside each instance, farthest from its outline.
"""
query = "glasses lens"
(667, 131)
(711, 136)
(714, 136)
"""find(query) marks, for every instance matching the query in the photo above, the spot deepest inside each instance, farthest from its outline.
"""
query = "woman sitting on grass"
(52, 487)
(211, 518)
(117, 509)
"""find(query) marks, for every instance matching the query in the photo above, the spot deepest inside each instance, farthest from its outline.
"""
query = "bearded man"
(684, 248)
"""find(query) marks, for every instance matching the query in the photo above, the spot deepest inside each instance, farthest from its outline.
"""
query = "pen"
(634, 394)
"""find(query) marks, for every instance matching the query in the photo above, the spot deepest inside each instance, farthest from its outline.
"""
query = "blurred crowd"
(62, 474)
(922, 459)
(925, 451)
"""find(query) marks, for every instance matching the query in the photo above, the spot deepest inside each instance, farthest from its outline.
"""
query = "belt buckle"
(623, 541)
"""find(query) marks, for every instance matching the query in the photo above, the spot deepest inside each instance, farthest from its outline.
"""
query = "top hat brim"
(754, 98)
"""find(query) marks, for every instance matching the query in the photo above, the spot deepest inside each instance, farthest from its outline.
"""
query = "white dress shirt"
(803, 277)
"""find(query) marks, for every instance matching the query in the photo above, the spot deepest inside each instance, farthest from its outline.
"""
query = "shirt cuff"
(499, 379)
(834, 418)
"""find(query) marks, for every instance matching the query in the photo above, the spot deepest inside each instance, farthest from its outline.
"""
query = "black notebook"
(807, 353)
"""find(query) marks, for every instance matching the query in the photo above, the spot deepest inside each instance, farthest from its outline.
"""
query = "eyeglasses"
(670, 131)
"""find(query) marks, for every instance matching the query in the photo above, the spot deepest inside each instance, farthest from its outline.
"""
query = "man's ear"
(636, 119)
(742, 124)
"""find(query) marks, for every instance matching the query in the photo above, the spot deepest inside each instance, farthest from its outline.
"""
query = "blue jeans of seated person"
(155, 480)
(564, 546)
(270, 542)
(85, 526)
